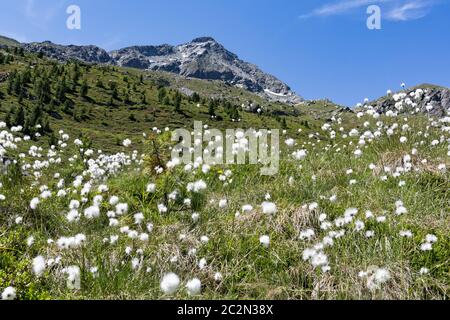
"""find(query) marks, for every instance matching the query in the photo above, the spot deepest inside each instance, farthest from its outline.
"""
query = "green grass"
(249, 270)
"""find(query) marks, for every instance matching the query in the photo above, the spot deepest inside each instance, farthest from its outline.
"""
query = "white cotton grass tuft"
(359, 225)
(223, 203)
(400, 209)
(151, 188)
(73, 277)
(194, 287)
(319, 259)
(126, 142)
(169, 283)
(30, 241)
(92, 212)
(428, 244)
(316, 257)
(299, 154)
(196, 186)
(265, 241)
(350, 212)
(138, 218)
(218, 277)
(376, 277)
(162, 208)
(431, 238)
(9, 293)
(121, 208)
(307, 234)
(370, 233)
(202, 264)
(144, 237)
(113, 200)
(135, 264)
(269, 208)
(34, 203)
(379, 277)
(74, 204)
(289, 142)
(195, 217)
(38, 265)
(406, 233)
(102, 188)
(313, 206)
(423, 271)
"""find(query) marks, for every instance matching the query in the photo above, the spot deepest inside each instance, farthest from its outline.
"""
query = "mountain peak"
(203, 39)
(202, 58)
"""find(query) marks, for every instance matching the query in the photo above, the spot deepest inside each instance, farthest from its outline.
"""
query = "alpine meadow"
(93, 204)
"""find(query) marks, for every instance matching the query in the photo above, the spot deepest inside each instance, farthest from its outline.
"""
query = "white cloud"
(409, 11)
(397, 10)
(39, 14)
(341, 7)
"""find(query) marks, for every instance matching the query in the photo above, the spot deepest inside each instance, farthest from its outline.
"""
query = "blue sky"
(322, 49)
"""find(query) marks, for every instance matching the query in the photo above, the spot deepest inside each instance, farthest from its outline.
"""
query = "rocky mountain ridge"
(202, 58)
(424, 98)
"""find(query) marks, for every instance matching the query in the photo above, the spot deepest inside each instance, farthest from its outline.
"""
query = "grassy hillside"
(136, 108)
(359, 208)
(8, 42)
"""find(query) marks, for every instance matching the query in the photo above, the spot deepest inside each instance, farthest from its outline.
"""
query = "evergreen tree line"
(32, 121)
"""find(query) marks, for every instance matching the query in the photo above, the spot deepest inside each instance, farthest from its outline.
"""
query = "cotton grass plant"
(358, 210)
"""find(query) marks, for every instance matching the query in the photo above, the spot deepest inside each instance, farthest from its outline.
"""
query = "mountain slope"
(91, 54)
(5, 41)
(202, 58)
(205, 58)
(424, 98)
(121, 102)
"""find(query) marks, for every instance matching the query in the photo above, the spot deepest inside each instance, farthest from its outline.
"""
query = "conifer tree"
(61, 90)
(177, 102)
(161, 94)
(84, 89)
